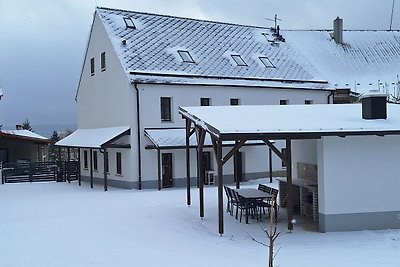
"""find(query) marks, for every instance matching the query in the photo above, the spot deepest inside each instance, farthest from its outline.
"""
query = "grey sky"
(42, 43)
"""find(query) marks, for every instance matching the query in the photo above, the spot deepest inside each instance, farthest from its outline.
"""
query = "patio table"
(251, 194)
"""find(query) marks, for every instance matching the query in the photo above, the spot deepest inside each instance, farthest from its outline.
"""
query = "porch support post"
(91, 168)
(236, 173)
(79, 166)
(104, 168)
(200, 166)
(220, 188)
(67, 165)
(270, 164)
(289, 207)
(159, 168)
(188, 198)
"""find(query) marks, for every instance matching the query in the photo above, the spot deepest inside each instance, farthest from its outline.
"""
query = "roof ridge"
(186, 18)
(325, 30)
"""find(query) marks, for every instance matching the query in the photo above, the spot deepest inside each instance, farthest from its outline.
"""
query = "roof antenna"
(391, 16)
(275, 19)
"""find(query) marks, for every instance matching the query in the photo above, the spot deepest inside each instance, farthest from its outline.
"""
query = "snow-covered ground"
(61, 224)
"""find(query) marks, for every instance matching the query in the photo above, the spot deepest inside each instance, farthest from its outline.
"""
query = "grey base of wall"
(178, 182)
(359, 221)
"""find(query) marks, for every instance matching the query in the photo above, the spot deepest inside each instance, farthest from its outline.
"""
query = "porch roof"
(94, 138)
(24, 135)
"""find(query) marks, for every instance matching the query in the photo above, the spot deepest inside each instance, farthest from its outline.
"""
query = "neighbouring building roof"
(367, 60)
(23, 135)
(154, 50)
(93, 138)
(292, 120)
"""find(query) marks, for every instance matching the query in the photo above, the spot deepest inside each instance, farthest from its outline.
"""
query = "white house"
(351, 151)
(139, 68)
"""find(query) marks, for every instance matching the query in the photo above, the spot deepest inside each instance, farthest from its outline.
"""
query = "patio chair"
(240, 204)
(264, 188)
(229, 204)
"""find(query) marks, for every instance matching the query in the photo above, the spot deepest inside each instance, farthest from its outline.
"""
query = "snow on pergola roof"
(291, 121)
(23, 135)
(93, 138)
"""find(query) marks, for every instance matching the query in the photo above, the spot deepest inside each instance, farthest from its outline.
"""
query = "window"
(308, 102)
(204, 101)
(85, 160)
(92, 66)
(107, 163)
(283, 151)
(186, 57)
(119, 162)
(283, 102)
(103, 61)
(95, 160)
(165, 108)
(239, 60)
(207, 161)
(234, 101)
(129, 23)
(267, 63)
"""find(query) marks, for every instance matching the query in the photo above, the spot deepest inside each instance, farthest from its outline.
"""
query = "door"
(237, 165)
(166, 163)
(3, 155)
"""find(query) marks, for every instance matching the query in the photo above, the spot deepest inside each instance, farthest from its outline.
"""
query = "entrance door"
(167, 170)
(237, 165)
(3, 155)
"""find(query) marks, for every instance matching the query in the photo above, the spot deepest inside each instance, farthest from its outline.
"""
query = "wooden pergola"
(287, 123)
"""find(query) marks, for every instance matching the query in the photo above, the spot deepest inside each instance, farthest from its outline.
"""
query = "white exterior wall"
(303, 151)
(255, 159)
(107, 99)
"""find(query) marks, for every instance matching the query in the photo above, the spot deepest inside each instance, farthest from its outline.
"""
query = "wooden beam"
(270, 164)
(220, 188)
(91, 168)
(104, 168)
(67, 165)
(187, 148)
(201, 133)
(289, 207)
(79, 167)
(275, 150)
(234, 150)
(159, 168)
(119, 146)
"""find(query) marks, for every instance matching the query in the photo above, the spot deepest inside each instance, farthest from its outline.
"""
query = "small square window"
(267, 63)
(239, 60)
(308, 102)
(92, 66)
(129, 23)
(283, 102)
(103, 61)
(204, 101)
(186, 57)
(234, 101)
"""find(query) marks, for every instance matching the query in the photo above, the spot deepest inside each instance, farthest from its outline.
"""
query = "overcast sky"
(42, 43)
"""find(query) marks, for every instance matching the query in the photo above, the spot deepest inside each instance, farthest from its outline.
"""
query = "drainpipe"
(138, 133)
(329, 96)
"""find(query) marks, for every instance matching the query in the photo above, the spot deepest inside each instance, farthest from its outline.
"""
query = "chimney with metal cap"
(338, 30)
(374, 106)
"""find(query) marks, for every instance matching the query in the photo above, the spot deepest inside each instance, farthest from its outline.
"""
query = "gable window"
(267, 63)
(283, 102)
(119, 162)
(234, 101)
(95, 161)
(129, 23)
(85, 160)
(185, 56)
(204, 101)
(308, 102)
(239, 60)
(92, 66)
(165, 108)
(103, 61)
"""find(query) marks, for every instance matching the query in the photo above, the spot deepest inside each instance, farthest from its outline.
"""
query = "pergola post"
(159, 168)
(200, 167)
(220, 187)
(289, 207)
(104, 167)
(79, 166)
(236, 164)
(67, 165)
(187, 149)
(270, 164)
(91, 168)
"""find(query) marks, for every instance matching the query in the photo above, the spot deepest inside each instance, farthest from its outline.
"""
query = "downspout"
(138, 133)
(329, 96)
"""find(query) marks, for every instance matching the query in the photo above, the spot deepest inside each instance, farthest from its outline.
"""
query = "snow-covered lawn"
(61, 224)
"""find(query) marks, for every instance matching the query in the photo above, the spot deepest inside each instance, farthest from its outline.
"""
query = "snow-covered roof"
(93, 138)
(176, 138)
(151, 49)
(366, 60)
(23, 134)
(291, 120)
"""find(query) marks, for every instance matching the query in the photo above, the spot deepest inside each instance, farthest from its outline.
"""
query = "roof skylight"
(267, 63)
(129, 23)
(239, 60)
(186, 57)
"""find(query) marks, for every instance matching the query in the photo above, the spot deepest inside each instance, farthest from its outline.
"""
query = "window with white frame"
(166, 109)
